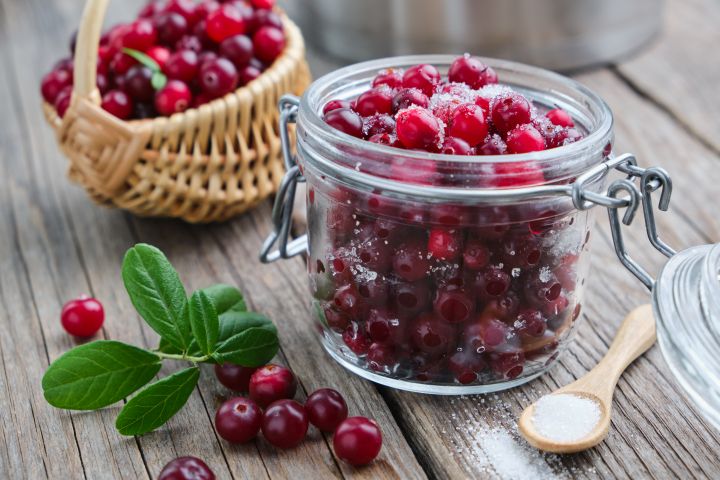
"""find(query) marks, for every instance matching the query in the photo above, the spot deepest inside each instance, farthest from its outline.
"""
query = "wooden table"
(55, 244)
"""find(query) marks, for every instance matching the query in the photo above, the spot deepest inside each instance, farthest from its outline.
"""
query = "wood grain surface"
(55, 244)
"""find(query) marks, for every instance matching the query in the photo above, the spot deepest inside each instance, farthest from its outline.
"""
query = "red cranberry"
(249, 73)
(411, 297)
(385, 326)
(347, 300)
(182, 65)
(468, 122)
(444, 244)
(356, 340)
(407, 97)
(524, 139)
(186, 468)
(268, 43)
(456, 146)
(465, 366)
(218, 77)
(272, 382)
(346, 121)
(423, 77)
(174, 97)
(238, 49)
(494, 145)
(530, 323)
(140, 36)
(451, 215)
(453, 304)
(507, 364)
(560, 117)
(510, 111)
(470, 71)
(202, 10)
(475, 255)
(521, 252)
(238, 420)
(420, 171)
(337, 321)
(504, 307)
(82, 317)
(373, 291)
(542, 289)
(517, 174)
(378, 124)
(54, 82)
(563, 136)
(381, 357)
(262, 18)
(103, 83)
(117, 103)
(432, 335)
(335, 105)
(121, 63)
(374, 255)
(285, 423)
(493, 223)
(376, 100)
(138, 83)
(390, 77)
(186, 8)
(234, 377)
(326, 409)
(411, 261)
(159, 54)
(492, 282)
(417, 128)
(171, 27)
(224, 23)
(357, 440)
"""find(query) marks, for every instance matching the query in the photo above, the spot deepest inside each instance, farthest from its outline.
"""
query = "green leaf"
(98, 374)
(158, 80)
(252, 347)
(232, 323)
(203, 321)
(157, 293)
(225, 298)
(143, 59)
(157, 403)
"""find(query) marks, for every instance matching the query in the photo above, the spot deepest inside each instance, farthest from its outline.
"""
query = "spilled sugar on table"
(55, 244)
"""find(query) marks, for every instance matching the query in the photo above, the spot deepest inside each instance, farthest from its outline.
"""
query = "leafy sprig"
(211, 326)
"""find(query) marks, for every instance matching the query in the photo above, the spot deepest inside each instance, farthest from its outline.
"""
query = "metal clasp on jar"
(638, 186)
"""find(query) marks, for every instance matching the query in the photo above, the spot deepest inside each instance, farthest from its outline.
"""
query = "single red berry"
(524, 139)
(509, 111)
(346, 121)
(249, 73)
(189, 42)
(453, 304)
(357, 440)
(411, 261)
(493, 145)
(378, 124)
(432, 335)
(336, 104)
(218, 77)
(456, 146)
(560, 117)
(409, 96)
(174, 97)
(234, 377)
(62, 101)
(270, 383)
(82, 317)
(285, 423)
(224, 23)
(476, 255)
(390, 77)
(138, 83)
(470, 71)
(186, 468)
(268, 43)
(140, 36)
(54, 82)
(238, 49)
(182, 65)
(264, 18)
(417, 128)
(121, 63)
(117, 103)
(423, 77)
(159, 54)
(186, 8)
(444, 244)
(171, 27)
(468, 123)
(326, 409)
(356, 340)
(492, 282)
(238, 420)
(201, 12)
(375, 100)
(516, 174)
(465, 365)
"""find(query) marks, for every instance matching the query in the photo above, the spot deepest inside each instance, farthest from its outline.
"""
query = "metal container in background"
(556, 34)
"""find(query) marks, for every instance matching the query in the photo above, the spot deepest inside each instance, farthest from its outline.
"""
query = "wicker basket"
(206, 164)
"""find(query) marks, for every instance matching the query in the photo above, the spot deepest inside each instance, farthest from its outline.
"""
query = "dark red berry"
(476, 255)
(507, 364)
(171, 27)
(186, 8)
(249, 73)
(453, 304)
(357, 440)
(262, 18)
(468, 123)
(378, 124)
(524, 139)
(390, 77)
(234, 377)
(444, 244)
(186, 468)
(530, 323)
(560, 117)
(218, 77)
(62, 101)
(376, 100)
(117, 103)
(465, 366)
(411, 261)
(346, 121)
(141, 35)
(82, 317)
(509, 111)
(492, 282)
(326, 409)
(381, 357)
(225, 22)
(138, 84)
(356, 340)
(335, 105)
(268, 43)
(238, 420)
(385, 326)
(423, 77)
(285, 423)
(238, 49)
(54, 82)
(432, 335)
(471, 71)
(493, 145)
(409, 96)
(182, 65)
(417, 128)
(337, 321)
(174, 97)
(270, 383)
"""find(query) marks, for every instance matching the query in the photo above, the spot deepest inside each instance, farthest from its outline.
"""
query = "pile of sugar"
(564, 417)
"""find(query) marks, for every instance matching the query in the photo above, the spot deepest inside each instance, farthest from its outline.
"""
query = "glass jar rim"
(310, 109)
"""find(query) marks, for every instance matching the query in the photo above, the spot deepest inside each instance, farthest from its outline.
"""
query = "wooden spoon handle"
(634, 337)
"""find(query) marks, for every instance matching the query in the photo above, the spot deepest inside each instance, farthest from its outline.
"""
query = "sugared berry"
(417, 128)
(509, 111)
(560, 117)
(423, 77)
(471, 71)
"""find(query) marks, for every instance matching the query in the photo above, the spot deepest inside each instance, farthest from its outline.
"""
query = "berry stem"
(176, 356)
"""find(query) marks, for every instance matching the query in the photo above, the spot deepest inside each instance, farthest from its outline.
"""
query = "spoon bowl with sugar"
(577, 416)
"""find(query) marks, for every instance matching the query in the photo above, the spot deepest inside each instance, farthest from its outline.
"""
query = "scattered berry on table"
(238, 420)
(186, 468)
(82, 317)
(270, 383)
(326, 408)
(234, 377)
(357, 440)
(285, 423)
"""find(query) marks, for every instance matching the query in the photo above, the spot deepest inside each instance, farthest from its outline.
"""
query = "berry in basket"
(176, 55)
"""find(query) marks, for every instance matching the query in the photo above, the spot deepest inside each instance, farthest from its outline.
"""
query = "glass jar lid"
(686, 300)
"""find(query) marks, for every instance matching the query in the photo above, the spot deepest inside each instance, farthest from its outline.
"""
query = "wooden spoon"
(635, 336)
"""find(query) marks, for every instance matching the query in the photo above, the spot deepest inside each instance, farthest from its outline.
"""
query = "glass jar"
(496, 301)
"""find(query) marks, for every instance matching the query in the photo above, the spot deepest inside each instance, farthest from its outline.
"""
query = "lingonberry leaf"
(157, 403)
(253, 347)
(226, 298)
(143, 59)
(157, 294)
(232, 323)
(158, 80)
(98, 374)
(203, 321)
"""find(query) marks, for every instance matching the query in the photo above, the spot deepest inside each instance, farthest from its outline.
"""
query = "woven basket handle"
(86, 49)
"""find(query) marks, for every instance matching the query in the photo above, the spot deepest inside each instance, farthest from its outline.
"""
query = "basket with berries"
(174, 114)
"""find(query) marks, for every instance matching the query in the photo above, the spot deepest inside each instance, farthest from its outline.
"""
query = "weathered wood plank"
(680, 70)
